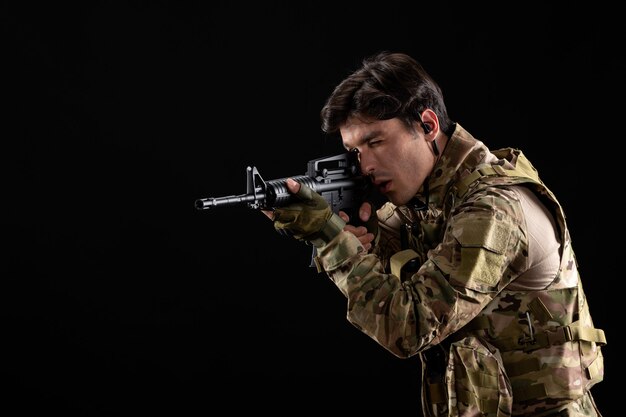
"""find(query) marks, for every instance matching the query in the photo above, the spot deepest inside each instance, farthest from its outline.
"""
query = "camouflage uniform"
(487, 344)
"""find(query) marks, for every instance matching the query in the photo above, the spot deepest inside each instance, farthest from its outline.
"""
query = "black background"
(120, 299)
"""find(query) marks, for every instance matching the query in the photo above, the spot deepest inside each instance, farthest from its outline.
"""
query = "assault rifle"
(337, 179)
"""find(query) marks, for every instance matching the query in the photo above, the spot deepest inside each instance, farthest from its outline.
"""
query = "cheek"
(404, 170)
(411, 166)
(409, 157)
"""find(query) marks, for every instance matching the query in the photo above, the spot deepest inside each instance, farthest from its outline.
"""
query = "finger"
(268, 213)
(357, 231)
(344, 216)
(367, 240)
(365, 211)
(293, 186)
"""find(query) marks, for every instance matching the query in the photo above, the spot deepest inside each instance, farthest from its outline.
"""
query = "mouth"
(383, 186)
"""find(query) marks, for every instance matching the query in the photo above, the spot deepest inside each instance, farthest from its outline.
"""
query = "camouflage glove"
(309, 218)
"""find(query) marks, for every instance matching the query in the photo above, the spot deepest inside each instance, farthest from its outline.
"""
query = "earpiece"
(427, 130)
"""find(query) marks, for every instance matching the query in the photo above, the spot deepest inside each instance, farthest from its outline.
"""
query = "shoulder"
(483, 236)
(500, 202)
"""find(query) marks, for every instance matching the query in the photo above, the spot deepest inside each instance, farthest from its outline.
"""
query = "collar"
(462, 153)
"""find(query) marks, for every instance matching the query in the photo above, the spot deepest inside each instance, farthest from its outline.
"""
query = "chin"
(396, 200)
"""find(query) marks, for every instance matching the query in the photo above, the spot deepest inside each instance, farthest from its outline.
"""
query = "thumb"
(293, 186)
(365, 211)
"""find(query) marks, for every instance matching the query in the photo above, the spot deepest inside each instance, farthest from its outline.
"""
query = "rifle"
(336, 178)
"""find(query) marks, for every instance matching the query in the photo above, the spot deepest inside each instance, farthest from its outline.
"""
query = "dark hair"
(387, 85)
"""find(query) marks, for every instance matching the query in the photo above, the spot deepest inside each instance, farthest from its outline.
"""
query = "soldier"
(469, 262)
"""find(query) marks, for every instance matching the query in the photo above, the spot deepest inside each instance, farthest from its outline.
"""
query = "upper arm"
(484, 245)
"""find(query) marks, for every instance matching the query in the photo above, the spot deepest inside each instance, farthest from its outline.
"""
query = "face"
(397, 158)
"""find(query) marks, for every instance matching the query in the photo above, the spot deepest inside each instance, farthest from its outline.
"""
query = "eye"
(373, 143)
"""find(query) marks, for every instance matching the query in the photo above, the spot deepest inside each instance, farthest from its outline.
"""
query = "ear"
(431, 123)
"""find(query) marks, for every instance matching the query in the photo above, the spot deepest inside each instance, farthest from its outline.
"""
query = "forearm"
(402, 317)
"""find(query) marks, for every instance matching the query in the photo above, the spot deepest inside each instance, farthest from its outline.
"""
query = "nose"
(367, 163)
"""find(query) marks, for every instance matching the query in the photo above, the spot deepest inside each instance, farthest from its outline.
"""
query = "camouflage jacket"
(483, 346)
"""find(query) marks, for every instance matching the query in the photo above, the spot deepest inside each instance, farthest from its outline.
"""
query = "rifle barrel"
(231, 200)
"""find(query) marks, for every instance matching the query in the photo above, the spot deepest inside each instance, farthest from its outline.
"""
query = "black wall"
(119, 298)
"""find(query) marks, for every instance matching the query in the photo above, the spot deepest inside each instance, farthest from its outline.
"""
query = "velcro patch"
(483, 242)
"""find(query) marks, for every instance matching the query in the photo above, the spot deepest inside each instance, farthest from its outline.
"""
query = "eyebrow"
(366, 138)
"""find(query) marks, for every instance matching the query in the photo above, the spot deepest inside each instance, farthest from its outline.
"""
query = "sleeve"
(482, 249)
(388, 242)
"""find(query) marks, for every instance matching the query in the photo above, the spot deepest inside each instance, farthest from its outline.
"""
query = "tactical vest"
(526, 352)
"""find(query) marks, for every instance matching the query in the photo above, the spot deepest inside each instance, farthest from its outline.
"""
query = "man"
(470, 263)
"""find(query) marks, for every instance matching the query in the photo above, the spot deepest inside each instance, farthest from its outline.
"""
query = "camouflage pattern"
(476, 380)
(305, 218)
(505, 352)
